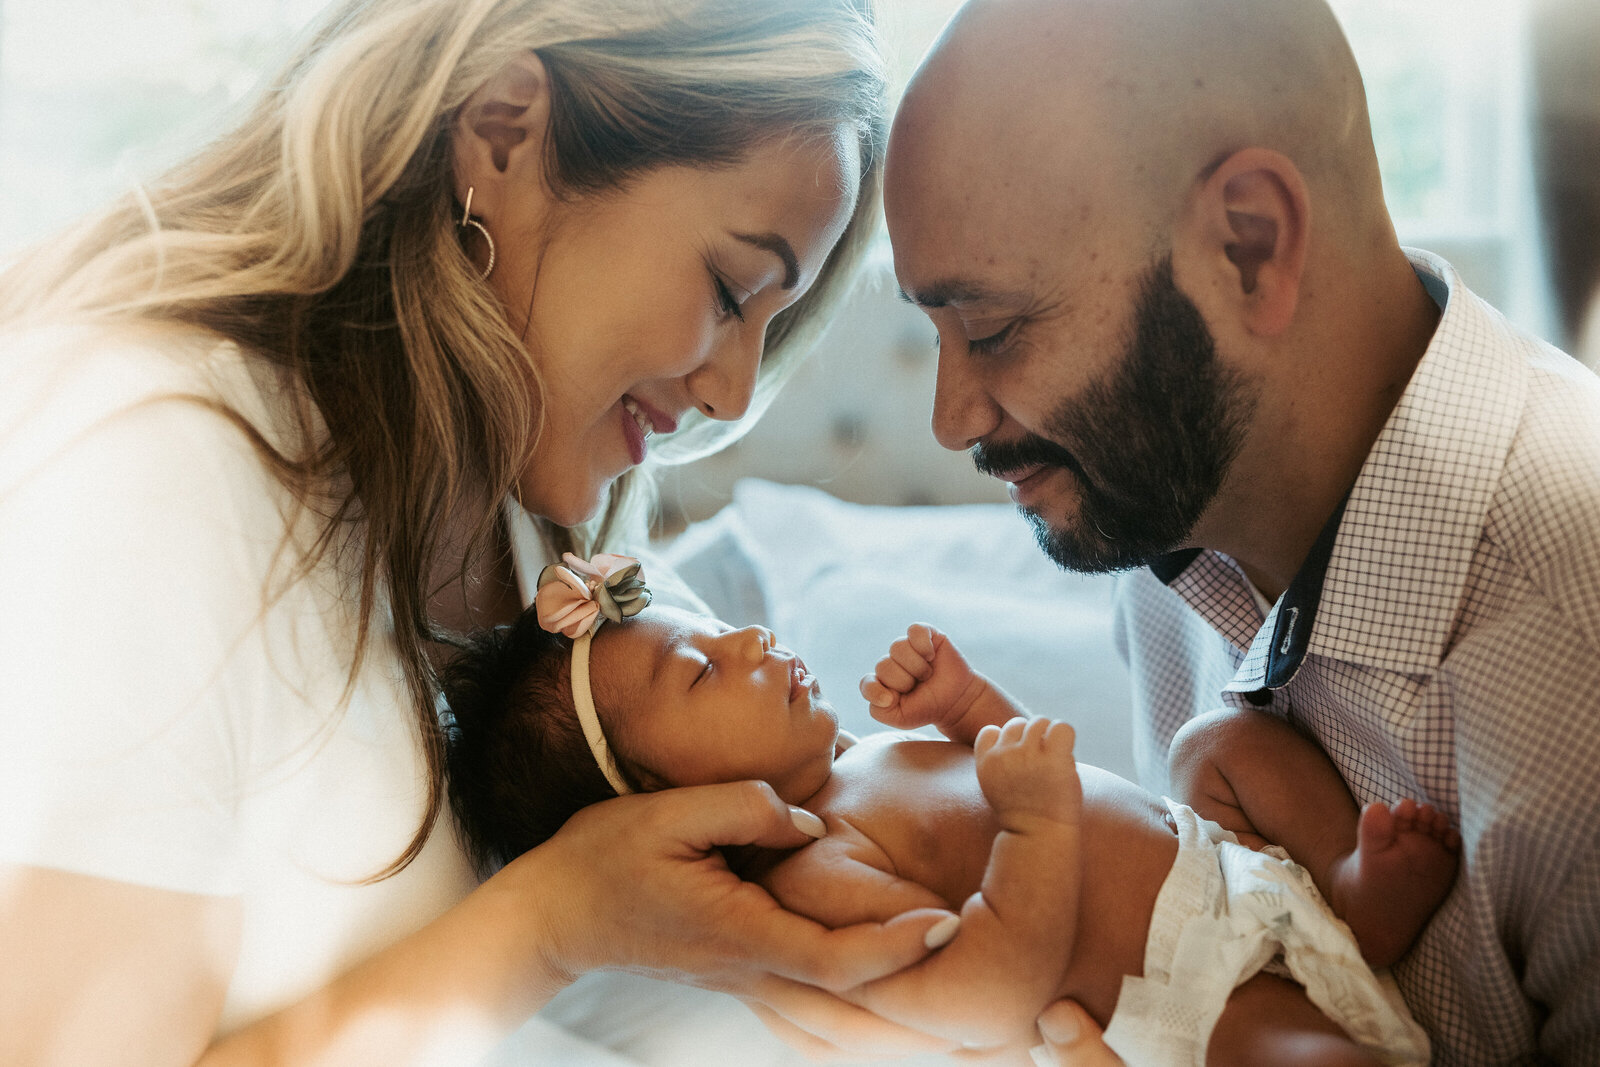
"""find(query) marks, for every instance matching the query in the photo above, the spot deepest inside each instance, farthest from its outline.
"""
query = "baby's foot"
(1401, 869)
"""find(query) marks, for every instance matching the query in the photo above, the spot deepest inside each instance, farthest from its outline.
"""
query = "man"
(1174, 315)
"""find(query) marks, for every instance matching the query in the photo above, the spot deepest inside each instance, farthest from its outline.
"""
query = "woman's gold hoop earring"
(468, 220)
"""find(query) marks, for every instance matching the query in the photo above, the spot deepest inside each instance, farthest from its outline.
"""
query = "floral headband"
(574, 598)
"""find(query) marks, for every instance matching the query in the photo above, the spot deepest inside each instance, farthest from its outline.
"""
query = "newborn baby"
(1070, 881)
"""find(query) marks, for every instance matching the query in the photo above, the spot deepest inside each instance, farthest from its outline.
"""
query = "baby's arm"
(844, 879)
(924, 680)
(1015, 942)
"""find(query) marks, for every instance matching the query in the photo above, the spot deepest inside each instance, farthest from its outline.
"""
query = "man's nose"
(963, 411)
(723, 385)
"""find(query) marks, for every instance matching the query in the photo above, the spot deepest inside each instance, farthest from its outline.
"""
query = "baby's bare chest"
(918, 802)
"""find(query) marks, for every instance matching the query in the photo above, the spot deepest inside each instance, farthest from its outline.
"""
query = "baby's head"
(679, 699)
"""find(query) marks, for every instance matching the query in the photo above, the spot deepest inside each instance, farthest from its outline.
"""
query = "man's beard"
(1148, 444)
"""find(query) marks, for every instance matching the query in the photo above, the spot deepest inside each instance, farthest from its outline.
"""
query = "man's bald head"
(1128, 102)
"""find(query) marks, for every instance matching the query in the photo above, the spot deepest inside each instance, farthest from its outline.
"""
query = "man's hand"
(1071, 1039)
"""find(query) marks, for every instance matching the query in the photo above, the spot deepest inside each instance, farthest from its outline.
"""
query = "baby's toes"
(1405, 814)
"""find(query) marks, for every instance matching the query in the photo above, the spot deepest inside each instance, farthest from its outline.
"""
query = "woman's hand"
(1071, 1039)
(635, 884)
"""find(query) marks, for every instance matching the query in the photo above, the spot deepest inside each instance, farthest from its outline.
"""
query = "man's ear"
(499, 135)
(1242, 240)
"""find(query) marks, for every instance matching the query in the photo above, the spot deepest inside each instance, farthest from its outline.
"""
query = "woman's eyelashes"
(727, 303)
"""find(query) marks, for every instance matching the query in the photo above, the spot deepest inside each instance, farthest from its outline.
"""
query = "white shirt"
(1451, 654)
(171, 702)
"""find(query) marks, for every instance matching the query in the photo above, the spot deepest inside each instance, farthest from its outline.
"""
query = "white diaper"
(1226, 912)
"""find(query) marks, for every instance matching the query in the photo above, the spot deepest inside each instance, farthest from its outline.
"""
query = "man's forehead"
(980, 167)
(999, 247)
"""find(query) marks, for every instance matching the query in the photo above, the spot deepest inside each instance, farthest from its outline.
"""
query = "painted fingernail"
(1059, 1025)
(807, 823)
(1040, 1054)
(941, 932)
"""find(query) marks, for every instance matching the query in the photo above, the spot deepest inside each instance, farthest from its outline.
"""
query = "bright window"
(95, 93)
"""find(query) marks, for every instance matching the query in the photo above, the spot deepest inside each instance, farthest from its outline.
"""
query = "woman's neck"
(478, 596)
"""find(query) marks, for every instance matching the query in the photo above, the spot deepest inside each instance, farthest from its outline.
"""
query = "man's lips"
(1026, 485)
(1018, 475)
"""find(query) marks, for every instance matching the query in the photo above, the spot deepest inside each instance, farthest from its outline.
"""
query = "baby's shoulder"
(903, 745)
(881, 766)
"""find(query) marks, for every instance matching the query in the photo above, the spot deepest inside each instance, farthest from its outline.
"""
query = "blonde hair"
(320, 234)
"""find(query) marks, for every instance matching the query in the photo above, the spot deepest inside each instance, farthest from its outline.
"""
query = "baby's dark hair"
(518, 764)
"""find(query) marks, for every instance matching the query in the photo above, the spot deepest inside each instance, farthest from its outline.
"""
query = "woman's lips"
(640, 422)
(634, 435)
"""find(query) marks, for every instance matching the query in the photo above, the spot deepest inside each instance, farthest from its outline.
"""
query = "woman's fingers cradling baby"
(827, 1028)
(643, 887)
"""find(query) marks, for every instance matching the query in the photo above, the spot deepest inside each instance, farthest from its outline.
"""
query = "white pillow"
(838, 582)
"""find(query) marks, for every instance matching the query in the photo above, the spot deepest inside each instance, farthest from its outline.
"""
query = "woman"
(257, 427)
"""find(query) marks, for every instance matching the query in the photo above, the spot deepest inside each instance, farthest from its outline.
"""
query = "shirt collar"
(1383, 584)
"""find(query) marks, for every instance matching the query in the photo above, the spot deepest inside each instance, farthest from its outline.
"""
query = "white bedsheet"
(837, 582)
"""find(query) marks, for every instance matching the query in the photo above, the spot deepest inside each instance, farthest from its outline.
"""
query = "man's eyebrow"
(944, 293)
(779, 246)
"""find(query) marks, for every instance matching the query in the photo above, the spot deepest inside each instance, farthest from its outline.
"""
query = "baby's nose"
(754, 642)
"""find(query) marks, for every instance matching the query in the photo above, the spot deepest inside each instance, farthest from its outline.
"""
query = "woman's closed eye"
(727, 303)
(701, 675)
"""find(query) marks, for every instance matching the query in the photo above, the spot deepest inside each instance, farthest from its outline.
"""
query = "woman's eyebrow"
(779, 246)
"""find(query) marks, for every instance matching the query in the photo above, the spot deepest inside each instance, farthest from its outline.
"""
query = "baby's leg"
(1384, 870)
(1269, 1021)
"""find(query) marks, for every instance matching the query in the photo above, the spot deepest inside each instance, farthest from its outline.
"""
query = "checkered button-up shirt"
(1448, 650)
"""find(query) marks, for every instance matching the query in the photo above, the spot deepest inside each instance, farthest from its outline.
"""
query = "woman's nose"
(723, 385)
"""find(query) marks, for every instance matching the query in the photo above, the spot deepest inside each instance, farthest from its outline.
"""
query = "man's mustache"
(1001, 457)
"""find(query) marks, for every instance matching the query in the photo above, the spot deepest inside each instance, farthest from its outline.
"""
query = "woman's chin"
(572, 507)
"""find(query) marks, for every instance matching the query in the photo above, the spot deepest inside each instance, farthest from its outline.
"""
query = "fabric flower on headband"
(577, 595)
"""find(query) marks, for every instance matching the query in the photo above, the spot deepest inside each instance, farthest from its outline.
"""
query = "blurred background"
(1486, 114)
